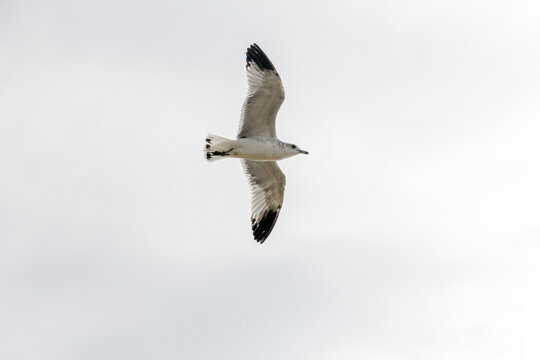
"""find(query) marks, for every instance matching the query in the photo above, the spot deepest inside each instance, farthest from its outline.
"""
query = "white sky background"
(411, 231)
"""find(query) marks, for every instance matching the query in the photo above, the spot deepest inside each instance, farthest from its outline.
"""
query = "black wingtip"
(263, 228)
(256, 55)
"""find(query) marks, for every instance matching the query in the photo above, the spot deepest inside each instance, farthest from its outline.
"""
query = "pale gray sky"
(411, 230)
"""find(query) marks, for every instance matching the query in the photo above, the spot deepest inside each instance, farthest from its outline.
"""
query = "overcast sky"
(411, 231)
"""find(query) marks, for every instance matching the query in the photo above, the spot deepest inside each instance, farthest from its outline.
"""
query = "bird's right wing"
(265, 96)
(267, 183)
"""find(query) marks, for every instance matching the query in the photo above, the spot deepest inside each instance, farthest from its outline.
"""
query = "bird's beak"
(304, 152)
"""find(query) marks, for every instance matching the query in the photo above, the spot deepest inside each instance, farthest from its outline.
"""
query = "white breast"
(261, 150)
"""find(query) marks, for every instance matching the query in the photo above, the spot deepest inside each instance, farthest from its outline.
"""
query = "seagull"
(257, 144)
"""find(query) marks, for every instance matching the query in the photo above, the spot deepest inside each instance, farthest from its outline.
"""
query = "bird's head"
(295, 150)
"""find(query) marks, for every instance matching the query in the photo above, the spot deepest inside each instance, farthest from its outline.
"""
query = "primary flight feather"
(257, 144)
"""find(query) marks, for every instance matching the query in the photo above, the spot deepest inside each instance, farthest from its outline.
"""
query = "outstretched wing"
(267, 184)
(265, 96)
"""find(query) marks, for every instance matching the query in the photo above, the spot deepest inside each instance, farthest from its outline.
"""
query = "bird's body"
(251, 149)
(257, 144)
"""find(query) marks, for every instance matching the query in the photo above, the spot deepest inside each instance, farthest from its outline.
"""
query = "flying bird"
(257, 144)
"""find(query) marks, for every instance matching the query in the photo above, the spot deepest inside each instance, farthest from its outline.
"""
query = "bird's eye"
(294, 146)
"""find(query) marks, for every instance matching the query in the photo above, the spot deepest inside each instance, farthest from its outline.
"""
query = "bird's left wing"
(265, 96)
(267, 183)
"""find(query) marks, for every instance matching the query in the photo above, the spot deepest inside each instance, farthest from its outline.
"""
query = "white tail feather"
(217, 147)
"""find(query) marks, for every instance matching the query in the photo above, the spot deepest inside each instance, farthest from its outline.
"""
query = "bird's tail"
(217, 147)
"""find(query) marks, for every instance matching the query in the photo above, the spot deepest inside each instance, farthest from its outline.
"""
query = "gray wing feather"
(267, 183)
(265, 96)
